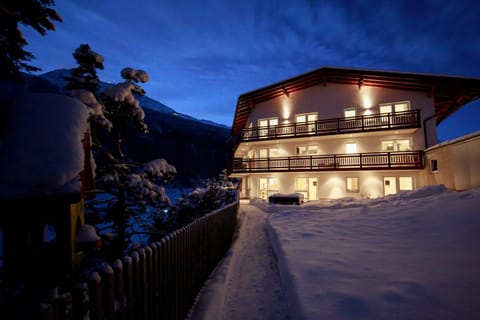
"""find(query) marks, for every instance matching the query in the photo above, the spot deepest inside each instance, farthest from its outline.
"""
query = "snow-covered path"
(247, 284)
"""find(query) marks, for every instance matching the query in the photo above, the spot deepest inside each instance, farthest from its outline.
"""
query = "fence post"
(106, 273)
(154, 282)
(95, 291)
(118, 278)
(137, 290)
(128, 282)
(149, 280)
(143, 283)
(80, 300)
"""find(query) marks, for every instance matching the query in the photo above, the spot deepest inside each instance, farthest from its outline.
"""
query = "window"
(267, 187)
(433, 165)
(396, 145)
(308, 118)
(395, 107)
(350, 112)
(352, 184)
(301, 184)
(405, 183)
(351, 148)
(266, 126)
(268, 153)
(388, 146)
(307, 150)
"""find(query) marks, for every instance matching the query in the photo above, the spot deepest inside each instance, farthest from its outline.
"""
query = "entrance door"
(389, 185)
(312, 189)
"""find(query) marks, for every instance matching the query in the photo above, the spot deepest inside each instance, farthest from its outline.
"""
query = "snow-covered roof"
(470, 136)
(41, 151)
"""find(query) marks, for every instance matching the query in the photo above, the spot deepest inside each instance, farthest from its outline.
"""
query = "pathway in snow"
(247, 284)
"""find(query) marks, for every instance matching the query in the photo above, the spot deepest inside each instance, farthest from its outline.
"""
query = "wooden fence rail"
(159, 281)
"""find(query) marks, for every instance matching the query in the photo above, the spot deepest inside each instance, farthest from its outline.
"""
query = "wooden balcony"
(366, 123)
(336, 162)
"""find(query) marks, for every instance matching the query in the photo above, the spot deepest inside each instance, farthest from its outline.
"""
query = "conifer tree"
(37, 14)
(85, 75)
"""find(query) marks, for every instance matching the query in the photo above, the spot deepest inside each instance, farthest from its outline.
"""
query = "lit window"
(266, 124)
(399, 107)
(403, 145)
(388, 146)
(273, 152)
(307, 150)
(350, 112)
(433, 165)
(352, 184)
(405, 183)
(307, 117)
(396, 145)
(263, 153)
(301, 184)
(351, 148)
(300, 118)
(386, 108)
(395, 107)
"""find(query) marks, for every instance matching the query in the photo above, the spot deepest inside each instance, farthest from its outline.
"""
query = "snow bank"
(407, 256)
(42, 150)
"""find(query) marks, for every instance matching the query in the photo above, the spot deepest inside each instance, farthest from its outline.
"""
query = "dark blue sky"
(201, 55)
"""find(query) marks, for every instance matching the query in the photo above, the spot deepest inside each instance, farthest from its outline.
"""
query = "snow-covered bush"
(213, 194)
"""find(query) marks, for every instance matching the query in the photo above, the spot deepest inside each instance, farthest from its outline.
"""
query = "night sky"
(201, 55)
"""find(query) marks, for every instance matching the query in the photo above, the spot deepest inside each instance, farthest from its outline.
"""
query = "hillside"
(197, 148)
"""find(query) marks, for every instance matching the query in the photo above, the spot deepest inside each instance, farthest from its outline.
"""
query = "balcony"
(366, 123)
(336, 162)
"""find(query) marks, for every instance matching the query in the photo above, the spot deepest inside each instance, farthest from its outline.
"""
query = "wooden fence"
(159, 281)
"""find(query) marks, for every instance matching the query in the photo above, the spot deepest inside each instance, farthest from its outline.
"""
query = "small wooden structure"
(40, 220)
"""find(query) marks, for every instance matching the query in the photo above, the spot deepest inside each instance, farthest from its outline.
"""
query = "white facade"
(349, 143)
(456, 163)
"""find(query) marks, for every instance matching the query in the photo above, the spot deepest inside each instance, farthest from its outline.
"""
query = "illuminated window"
(351, 148)
(301, 184)
(267, 187)
(388, 146)
(268, 153)
(395, 107)
(350, 112)
(309, 118)
(306, 117)
(396, 145)
(307, 150)
(266, 125)
(405, 183)
(352, 184)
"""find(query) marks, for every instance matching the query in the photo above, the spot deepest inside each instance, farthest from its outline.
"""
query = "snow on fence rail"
(159, 281)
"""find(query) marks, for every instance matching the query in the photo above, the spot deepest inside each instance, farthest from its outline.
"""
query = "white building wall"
(331, 100)
(458, 163)
(332, 185)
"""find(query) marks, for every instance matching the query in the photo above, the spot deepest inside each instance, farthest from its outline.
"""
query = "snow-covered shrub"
(213, 194)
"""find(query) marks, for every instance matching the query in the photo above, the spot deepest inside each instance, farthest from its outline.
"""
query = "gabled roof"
(449, 92)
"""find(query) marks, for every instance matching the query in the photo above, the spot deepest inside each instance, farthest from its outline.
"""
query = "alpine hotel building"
(336, 132)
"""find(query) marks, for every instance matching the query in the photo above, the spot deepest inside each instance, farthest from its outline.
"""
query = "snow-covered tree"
(83, 84)
(85, 75)
(37, 14)
(122, 108)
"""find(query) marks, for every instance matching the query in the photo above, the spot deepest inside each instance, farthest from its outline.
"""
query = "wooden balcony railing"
(373, 122)
(358, 161)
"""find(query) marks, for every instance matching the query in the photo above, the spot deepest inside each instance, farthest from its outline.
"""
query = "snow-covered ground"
(414, 255)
